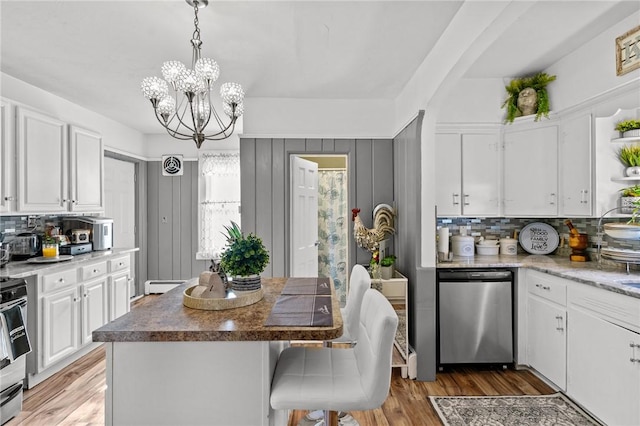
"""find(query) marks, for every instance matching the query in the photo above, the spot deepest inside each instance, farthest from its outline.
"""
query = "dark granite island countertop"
(166, 319)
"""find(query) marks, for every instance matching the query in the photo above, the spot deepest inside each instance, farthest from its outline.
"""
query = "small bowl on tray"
(623, 231)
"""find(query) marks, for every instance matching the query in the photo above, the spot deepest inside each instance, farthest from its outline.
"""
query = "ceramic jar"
(462, 245)
(508, 246)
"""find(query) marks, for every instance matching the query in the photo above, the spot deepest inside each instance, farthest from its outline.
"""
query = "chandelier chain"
(196, 32)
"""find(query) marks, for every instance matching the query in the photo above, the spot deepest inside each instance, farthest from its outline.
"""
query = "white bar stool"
(334, 379)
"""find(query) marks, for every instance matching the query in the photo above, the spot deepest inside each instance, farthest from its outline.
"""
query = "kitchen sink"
(634, 284)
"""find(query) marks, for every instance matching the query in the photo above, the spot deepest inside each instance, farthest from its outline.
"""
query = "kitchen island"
(168, 364)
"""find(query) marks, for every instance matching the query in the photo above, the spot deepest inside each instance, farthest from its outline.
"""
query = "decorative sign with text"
(628, 51)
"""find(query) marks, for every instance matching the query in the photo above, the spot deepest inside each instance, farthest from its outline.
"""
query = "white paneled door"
(304, 218)
(120, 203)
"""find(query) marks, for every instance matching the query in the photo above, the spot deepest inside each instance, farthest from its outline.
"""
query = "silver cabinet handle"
(455, 199)
(633, 352)
(583, 196)
(552, 198)
(96, 271)
(559, 327)
(466, 198)
(544, 287)
(61, 280)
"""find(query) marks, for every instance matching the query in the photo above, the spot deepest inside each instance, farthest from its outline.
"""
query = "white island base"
(191, 383)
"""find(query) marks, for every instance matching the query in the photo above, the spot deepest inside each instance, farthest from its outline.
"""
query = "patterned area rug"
(531, 410)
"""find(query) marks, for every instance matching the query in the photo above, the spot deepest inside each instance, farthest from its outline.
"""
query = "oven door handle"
(10, 393)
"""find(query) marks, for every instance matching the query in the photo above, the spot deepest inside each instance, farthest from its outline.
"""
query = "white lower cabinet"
(546, 326)
(94, 307)
(61, 325)
(119, 295)
(603, 358)
(75, 301)
(547, 345)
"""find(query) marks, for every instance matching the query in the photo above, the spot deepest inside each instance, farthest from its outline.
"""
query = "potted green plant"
(528, 95)
(629, 156)
(628, 128)
(386, 267)
(244, 258)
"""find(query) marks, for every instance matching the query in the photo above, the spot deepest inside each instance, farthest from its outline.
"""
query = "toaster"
(80, 236)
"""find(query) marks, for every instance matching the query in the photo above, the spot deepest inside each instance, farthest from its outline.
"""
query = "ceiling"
(95, 53)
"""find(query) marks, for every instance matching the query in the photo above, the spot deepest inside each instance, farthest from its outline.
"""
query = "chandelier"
(182, 101)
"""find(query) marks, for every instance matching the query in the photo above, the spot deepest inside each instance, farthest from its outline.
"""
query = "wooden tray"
(234, 299)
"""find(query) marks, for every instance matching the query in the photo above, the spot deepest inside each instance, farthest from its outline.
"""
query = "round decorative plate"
(539, 238)
(42, 259)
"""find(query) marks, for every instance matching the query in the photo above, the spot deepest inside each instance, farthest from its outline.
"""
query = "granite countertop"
(610, 277)
(23, 269)
(166, 319)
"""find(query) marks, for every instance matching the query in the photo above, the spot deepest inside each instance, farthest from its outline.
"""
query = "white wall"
(591, 69)
(115, 136)
(309, 118)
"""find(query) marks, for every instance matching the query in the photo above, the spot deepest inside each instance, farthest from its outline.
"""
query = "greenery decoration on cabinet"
(527, 96)
(628, 128)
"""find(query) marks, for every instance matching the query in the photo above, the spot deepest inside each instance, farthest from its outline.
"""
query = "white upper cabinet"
(7, 159)
(41, 163)
(468, 174)
(59, 167)
(86, 170)
(448, 174)
(576, 160)
(531, 172)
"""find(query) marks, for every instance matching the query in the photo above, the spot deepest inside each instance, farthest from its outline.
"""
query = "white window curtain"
(219, 200)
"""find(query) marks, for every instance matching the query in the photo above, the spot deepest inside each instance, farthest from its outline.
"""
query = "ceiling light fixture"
(193, 87)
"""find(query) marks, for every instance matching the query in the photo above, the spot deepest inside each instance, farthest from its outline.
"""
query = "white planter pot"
(631, 133)
(633, 171)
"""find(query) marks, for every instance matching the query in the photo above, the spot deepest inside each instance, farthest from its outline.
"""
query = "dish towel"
(18, 341)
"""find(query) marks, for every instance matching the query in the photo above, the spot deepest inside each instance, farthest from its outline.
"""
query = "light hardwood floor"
(75, 395)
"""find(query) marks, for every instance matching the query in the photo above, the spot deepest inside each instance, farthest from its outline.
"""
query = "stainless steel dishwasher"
(475, 316)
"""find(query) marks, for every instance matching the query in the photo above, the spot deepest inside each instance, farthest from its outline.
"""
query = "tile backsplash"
(503, 227)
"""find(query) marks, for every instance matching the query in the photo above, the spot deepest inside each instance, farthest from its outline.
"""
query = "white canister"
(508, 246)
(462, 245)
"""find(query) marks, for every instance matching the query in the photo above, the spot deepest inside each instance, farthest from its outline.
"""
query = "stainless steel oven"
(14, 345)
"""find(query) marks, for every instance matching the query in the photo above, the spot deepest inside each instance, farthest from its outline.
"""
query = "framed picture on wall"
(628, 51)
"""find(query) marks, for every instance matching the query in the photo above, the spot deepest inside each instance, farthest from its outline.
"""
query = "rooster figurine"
(370, 239)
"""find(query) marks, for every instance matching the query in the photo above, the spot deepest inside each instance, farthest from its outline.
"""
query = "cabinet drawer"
(58, 280)
(92, 271)
(119, 264)
(547, 286)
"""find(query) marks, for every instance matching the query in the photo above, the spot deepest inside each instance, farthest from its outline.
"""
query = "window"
(219, 197)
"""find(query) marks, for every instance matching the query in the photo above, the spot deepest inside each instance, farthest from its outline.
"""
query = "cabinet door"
(480, 175)
(546, 340)
(119, 296)
(41, 162)
(94, 307)
(576, 159)
(600, 372)
(7, 159)
(60, 323)
(448, 174)
(531, 172)
(86, 170)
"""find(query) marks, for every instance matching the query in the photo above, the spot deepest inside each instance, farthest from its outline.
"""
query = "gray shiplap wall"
(422, 283)
(264, 169)
(172, 223)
